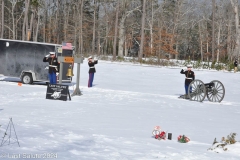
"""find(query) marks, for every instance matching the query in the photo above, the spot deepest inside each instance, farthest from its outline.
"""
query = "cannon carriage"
(214, 91)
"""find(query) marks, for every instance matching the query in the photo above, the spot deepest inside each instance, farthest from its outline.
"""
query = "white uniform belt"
(92, 67)
(188, 78)
(52, 66)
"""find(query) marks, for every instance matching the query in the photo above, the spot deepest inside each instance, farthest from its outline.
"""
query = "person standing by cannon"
(235, 65)
(52, 68)
(92, 70)
(190, 76)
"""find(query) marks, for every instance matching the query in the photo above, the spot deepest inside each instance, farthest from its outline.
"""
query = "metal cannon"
(197, 91)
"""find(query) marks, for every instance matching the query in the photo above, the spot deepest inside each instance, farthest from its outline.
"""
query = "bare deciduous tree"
(213, 28)
(115, 33)
(235, 10)
(25, 20)
(142, 30)
(2, 19)
(94, 26)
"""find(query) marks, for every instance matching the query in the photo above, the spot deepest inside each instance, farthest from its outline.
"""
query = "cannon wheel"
(217, 93)
(197, 91)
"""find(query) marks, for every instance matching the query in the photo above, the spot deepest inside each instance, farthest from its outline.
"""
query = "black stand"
(69, 95)
(170, 136)
(8, 135)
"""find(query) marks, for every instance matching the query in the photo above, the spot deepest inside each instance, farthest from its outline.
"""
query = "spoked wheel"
(216, 92)
(197, 91)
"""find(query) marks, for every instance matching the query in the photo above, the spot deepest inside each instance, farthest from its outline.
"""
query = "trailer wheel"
(27, 78)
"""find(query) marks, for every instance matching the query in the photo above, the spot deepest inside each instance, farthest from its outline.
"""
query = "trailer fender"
(28, 77)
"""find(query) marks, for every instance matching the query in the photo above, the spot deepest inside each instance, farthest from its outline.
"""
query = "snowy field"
(114, 119)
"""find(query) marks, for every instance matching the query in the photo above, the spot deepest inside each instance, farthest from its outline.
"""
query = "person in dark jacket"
(190, 76)
(92, 70)
(53, 67)
(235, 65)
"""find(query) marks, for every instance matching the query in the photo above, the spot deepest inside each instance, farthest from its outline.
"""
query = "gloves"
(57, 73)
(182, 70)
(47, 55)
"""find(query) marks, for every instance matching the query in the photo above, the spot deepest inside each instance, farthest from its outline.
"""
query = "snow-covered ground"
(114, 119)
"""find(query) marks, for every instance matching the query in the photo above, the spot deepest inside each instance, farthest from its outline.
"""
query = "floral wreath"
(183, 139)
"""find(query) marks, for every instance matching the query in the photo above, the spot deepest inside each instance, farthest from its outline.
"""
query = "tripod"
(7, 138)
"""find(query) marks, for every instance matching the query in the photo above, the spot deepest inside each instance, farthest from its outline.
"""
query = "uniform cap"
(90, 57)
(52, 53)
(189, 66)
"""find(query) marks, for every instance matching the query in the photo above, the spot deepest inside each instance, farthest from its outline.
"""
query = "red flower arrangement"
(161, 135)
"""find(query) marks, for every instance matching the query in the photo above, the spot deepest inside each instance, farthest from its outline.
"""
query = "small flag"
(67, 46)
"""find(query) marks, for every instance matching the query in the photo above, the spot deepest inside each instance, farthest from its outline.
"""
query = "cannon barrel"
(209, 85)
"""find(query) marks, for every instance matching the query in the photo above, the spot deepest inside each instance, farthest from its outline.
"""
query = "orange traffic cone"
(19, 84)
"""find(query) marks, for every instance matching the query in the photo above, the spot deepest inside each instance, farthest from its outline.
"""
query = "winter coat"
(53, 64)
(91, 66)
(190, 76)
(235, 63)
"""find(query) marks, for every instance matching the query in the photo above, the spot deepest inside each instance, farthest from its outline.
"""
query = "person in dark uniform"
(190, 76)
(235, 65)
(53, 67)
(92, 70)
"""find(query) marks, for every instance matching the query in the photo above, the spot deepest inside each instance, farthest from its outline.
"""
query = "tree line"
(199, 30)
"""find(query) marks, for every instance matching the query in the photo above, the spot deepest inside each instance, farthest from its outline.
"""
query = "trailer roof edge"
(51, 44)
